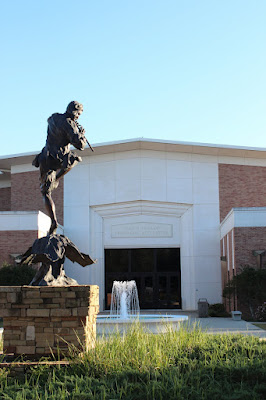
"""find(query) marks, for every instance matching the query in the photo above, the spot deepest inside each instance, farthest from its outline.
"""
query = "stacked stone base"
(40, 321)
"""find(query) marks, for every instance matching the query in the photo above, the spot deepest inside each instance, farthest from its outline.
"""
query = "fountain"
(124, 299)
(125, 310)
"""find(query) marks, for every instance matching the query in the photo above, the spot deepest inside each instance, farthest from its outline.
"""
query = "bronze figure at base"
(51, 251)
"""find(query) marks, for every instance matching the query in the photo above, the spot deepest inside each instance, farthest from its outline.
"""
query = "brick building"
(179, 218)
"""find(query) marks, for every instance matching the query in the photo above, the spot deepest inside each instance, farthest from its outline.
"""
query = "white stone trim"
(216, 152)
(5, 184)
(144, 210)
(26, 221)
(233, 250)
(17, 169)
(243, 217)
(227, 256)
(141, 207)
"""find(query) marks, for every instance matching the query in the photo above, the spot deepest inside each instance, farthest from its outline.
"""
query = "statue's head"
(75, 109)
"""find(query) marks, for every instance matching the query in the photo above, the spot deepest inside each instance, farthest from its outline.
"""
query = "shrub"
(249, 286)
(260, 313)
(217, 310)
(16, 275)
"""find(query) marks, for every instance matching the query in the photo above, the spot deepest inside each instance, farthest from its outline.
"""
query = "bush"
(249, 286)
(260, 313)
(217, 310)
(16, 275)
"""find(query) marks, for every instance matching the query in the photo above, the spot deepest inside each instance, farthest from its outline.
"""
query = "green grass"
(261, 325)
(189, 365)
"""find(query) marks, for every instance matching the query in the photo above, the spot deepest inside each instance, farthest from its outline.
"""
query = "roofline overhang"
(148, 144)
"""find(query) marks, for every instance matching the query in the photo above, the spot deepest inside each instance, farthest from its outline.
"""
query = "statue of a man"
(56, 158)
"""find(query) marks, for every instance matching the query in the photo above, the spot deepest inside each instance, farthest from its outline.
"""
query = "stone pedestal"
(40, 320)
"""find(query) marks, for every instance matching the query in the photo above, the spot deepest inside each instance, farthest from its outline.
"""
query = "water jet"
(125, 311)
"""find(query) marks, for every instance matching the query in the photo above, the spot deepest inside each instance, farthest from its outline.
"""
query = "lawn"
(261, 325)
(189, 365)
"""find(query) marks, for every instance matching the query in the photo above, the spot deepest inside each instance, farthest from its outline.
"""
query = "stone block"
(32, 294)
(23, 313)
(21, 306)
(48, 330)
(61, 331)
(12, 297)
(71, 303)
(8, 289)
(84, 303)
(17, 342)
(25, 349)
(49, 295)
(30, 332)
(10, 312)
(42, 320)
(69, 295)
(9, 349)
(40, 350)
(53, 305)
(83, 311)
(44, 337)
(34, 300)
(38, 313)
(30, 342)
(60, 312)
(70, 324)
(11, 336)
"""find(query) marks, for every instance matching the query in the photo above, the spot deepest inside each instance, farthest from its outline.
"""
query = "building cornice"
(148, 144)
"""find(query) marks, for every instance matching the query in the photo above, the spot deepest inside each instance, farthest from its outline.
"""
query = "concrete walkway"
(217, 325)
(228, 325)
(212, 325)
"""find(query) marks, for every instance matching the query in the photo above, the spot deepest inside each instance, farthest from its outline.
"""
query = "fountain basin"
(151, 323)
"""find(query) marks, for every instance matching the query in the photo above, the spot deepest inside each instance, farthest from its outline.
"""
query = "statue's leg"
(70, 160)
(50, 207)
(42, 271)
(62, 172)
(48, 183)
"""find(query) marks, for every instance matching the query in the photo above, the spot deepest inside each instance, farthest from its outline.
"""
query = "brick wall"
(26, 195)
(241, 186)
(15, 242)
(5, 199)
(237, 246)
(246, 240)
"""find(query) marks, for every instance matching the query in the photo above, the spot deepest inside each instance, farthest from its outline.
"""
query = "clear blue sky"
(185, 70)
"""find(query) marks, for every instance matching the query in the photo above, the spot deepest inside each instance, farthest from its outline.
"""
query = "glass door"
(156, 272)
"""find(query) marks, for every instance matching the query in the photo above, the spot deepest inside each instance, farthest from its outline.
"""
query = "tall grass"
(185, 364)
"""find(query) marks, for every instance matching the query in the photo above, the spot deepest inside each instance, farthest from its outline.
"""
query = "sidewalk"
(228, 325)
(218, 325)
(212, 325)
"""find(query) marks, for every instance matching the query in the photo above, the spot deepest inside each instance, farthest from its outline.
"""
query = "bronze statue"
(56, 158)
(54, 161)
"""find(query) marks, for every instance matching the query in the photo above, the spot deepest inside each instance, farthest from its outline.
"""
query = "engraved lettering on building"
(142, 229)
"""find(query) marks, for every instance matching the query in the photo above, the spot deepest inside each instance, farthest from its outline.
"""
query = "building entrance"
(156, 272)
